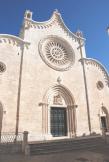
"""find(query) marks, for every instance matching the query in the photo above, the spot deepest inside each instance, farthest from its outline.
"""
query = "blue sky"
(90, 16)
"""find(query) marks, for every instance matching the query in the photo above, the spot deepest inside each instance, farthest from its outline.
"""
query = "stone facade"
(45, 70)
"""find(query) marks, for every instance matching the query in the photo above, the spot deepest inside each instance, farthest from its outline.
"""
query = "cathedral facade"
(48, 85)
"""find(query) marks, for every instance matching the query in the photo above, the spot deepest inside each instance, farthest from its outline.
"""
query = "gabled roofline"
(56, 17)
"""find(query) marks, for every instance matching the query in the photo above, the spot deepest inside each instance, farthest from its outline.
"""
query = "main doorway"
(58, 121)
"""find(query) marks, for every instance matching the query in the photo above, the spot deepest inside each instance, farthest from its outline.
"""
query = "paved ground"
(73, 156)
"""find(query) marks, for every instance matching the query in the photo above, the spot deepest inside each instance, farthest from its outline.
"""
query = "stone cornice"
(55, 19)
(11, 39)
(97, 64)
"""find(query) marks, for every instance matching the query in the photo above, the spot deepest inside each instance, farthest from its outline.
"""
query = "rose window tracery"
(56, 53)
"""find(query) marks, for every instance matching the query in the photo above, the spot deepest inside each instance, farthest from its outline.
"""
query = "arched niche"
(104, 119)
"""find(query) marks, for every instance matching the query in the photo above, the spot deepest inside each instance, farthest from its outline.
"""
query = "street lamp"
(107, 29)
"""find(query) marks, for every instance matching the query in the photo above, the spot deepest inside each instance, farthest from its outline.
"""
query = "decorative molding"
(55, 19)
(28, 23)
(62, 96)
(61, 90)
(93, 62)
(42, 104)
(13, 40)
(70, 34)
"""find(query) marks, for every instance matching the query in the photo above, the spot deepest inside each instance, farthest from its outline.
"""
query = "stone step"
(67, 145)
(48, 151)
(67, 142)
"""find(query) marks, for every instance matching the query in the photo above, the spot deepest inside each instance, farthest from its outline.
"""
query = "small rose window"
(100, 85)
(2, 67)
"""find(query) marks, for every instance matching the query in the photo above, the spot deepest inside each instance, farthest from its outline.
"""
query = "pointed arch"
(104, 119)
(68, 104)
(63, 91)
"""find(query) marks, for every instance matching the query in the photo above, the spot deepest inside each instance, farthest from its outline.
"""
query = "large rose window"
(56, 53)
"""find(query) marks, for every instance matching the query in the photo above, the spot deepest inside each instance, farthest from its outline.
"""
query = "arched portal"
(1, 118)
(104, 119)
(58, 112)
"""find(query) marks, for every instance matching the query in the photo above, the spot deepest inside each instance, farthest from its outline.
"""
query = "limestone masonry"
(48, 85)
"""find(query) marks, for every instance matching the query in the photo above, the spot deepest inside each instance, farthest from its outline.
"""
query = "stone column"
(72, 120)
(49, 123)
(45, 120)
(69, 120)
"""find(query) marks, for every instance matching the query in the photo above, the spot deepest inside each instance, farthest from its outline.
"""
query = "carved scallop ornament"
(2, 67)
(56, 53)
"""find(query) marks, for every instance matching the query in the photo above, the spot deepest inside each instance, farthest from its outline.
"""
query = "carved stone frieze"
(12, 40)
(39, 25)
(55, 19)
